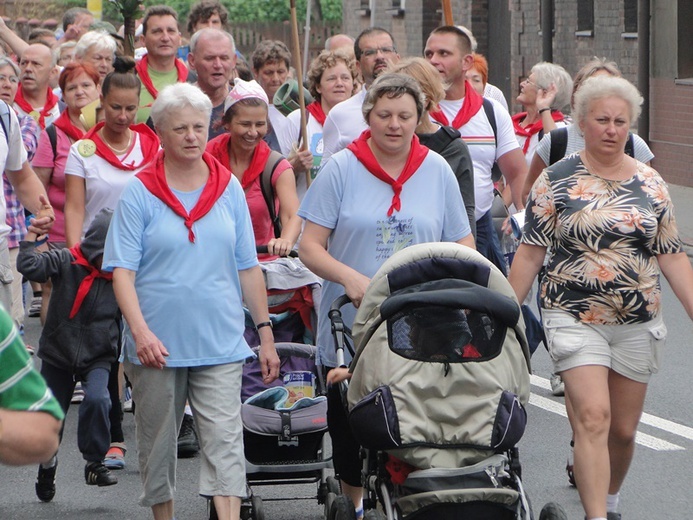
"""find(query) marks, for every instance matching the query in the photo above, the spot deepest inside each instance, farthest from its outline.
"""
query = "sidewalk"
(683, 207)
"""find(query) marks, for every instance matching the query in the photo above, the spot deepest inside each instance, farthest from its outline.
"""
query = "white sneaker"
(557, 386)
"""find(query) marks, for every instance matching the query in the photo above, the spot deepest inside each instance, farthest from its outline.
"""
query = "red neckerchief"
(154, 179)
(66, 125)
(317, 112)
(219, 148)
(88, 280)
(149, 144)
(532, 129)
(143, 73)
(364, 154)
(51, 101)
(470, 106)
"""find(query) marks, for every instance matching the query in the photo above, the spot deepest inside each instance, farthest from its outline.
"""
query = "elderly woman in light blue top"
(182, 252)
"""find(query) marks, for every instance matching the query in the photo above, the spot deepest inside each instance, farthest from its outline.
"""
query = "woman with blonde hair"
(332, 78)
(443, 140)
(609, 222)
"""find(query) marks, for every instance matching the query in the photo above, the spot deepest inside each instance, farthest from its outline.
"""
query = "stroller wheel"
(333, 485)
(374, 514)
(553, 511)
(258, 512)
(342, 509)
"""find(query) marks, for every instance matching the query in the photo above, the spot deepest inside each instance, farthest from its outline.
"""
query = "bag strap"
(5, 120)
(496, 173)
(630, 145)
(559, 144)
(53, 138)
(268, 191)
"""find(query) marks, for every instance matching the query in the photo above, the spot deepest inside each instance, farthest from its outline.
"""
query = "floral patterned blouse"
(604, 237)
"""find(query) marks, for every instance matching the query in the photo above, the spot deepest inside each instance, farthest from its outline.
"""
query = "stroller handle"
(339, 303)
(262, 250)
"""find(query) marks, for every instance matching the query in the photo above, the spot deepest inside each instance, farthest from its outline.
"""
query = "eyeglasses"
(529, 82)
(11, 79)
(369, 53)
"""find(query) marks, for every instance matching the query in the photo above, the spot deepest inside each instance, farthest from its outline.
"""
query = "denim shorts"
(632, 350)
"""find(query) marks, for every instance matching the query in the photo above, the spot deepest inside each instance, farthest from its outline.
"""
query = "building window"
(630, 16)
(585, 15)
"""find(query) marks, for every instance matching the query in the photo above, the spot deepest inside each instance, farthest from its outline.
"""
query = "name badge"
(86, 148)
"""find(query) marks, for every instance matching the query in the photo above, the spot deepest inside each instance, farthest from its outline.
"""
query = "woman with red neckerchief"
(79, 84)
(101, 164)
(332, 78)
(543, 94)
(244, 152)
(386, 191)
(182, 229)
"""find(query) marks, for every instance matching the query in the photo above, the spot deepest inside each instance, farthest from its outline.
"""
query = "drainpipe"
(644, 67)
(546, 30)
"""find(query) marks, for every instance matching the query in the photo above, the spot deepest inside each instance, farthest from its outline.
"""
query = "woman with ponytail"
(100, 165)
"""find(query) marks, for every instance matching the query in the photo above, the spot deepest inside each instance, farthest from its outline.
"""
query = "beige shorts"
(632, 350)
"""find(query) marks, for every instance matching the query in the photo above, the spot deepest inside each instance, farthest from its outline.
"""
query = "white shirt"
(493, 92)
(344, 123)
(478, 134)
(289, 136)
(103, 182)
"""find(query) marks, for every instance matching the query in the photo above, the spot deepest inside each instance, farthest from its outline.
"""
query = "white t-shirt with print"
(478, 134)
(12, 158)
(103, 182)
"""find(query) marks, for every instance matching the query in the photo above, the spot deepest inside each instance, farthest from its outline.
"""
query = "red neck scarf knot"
(364, 154)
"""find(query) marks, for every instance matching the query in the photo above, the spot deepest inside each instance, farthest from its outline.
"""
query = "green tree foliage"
(240, 10)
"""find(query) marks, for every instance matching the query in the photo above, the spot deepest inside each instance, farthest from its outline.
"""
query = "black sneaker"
(45, 483)
(96, 474)
(613, 516)
(187, 438)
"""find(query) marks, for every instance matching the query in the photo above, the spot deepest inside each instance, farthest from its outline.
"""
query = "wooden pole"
(299, 80)
(447, 12)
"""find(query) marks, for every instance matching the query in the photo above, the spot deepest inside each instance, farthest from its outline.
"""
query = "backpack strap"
(496, 173)
(630, 145)
(559, 144)
(268, 191)
(53, 138)
(5, 120)
(491, 115)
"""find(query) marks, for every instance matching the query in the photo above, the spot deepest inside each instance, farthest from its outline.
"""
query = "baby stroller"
(293, 294)
(283, 444)
(439, 388)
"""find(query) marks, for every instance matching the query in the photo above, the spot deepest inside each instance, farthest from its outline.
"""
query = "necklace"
(595, 172)
(118, 151)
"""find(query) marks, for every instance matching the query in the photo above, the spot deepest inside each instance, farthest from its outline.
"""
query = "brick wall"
(671, 130)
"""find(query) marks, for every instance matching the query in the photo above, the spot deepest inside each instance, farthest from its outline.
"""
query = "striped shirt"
(21, 386)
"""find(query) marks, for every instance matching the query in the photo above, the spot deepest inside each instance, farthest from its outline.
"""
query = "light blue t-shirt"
(189, 293)
(351, 201)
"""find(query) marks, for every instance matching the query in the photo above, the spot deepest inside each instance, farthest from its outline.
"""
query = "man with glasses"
(375, 50)
(449, 50)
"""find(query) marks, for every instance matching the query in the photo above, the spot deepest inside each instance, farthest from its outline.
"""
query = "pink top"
(56, 186)
(259, 214)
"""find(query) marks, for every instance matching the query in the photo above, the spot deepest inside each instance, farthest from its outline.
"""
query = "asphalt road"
(658, 486)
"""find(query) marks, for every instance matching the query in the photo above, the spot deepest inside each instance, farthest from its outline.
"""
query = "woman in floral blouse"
(609, 222)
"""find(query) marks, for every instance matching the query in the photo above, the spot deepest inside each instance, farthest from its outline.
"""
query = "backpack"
(5, 120)
(559, 145)
(268, 191)
(53, 138)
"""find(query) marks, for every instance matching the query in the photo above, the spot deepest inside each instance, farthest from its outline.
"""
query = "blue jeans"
(93, 427)
(488, 243)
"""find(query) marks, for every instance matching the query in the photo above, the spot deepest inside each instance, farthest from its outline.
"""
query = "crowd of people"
(145, 177)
